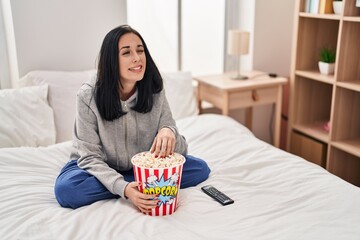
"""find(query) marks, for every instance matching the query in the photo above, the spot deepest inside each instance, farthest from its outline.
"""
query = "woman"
(123, 112)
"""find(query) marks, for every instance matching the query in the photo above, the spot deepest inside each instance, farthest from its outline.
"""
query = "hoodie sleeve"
(88, 147)
(166, 120)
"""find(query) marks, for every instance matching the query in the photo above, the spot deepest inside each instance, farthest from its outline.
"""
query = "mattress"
(277, 195)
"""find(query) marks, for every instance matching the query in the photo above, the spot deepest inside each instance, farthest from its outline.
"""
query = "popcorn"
(148, 160)
(160, 176)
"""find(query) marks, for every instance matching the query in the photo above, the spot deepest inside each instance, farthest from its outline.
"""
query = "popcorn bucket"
(161, 178)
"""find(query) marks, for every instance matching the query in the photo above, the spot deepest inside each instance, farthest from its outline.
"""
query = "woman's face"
(132, 59)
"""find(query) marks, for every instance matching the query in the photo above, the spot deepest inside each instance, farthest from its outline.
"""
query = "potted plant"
(327, 61)
(338, 6)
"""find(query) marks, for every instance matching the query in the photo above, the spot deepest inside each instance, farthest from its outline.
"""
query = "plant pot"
(338, 7)
(326, 68)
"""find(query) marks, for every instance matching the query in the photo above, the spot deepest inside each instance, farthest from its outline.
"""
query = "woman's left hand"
(164, 143)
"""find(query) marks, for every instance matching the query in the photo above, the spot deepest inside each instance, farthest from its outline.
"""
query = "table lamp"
(238, 44)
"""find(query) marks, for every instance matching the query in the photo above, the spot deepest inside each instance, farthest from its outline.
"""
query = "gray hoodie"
(104, 147)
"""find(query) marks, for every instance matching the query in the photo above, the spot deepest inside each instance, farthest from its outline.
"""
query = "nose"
(136, 57)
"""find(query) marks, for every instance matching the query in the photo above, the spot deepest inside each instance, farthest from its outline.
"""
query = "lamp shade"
(238, 42)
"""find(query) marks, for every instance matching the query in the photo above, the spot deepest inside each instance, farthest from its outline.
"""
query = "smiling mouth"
(136, 69)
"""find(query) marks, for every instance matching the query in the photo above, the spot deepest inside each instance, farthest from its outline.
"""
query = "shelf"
(316, 75)
(346, 122)
(314, 130)
(349, 57)
(355, 85)
(313, 106)
(352, 19)
(344, 165)
(317, 99)
(320, 16)
(351, 146)
(350, 10)
(316, 33)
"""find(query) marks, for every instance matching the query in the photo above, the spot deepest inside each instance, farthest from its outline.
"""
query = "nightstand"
(228, 94)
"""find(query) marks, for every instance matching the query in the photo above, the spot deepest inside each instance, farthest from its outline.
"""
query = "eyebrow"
(129, 46)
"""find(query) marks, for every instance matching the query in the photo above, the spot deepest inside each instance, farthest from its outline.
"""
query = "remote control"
(217, 195)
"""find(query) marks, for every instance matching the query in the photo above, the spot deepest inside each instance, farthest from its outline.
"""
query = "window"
(200, 47)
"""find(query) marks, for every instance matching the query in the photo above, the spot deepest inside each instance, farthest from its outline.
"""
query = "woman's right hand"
(142, 201)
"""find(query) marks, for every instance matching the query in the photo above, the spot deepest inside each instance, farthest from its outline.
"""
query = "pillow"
(180, 94)
(63, 86)
(26, 117)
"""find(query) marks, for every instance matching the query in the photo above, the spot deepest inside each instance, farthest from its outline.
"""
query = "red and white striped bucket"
(165, 182)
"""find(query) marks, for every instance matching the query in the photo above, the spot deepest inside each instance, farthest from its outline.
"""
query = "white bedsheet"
(277, 195)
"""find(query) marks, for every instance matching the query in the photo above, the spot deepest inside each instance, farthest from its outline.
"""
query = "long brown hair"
(106, 92)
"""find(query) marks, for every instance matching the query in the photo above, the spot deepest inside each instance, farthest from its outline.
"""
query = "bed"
(277, 195)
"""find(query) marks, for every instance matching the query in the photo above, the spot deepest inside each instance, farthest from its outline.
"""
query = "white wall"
(271, 25)
(247, 18)
(202, 33)
(203, 36)
(4, 61)
(240, 16)
(63, 35)
(272, 50)
(273, 35)
(156, 21)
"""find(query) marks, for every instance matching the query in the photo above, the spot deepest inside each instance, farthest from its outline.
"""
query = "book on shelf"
(325, 6)
(314, 6)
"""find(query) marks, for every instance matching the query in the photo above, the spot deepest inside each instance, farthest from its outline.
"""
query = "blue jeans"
(75, 187)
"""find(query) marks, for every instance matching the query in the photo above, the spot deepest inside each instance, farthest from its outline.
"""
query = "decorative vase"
(338, 7)
(326, 68)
